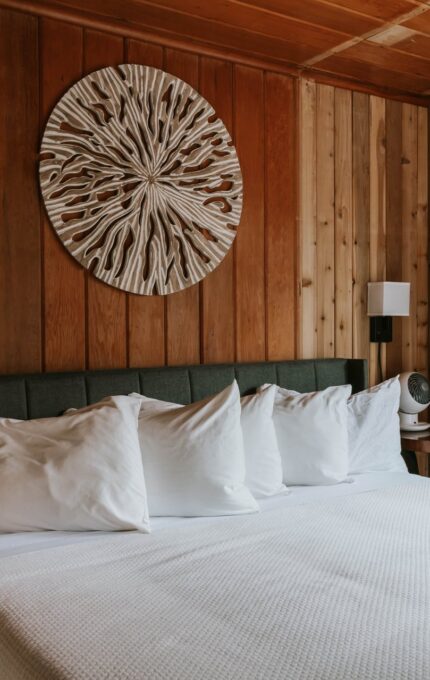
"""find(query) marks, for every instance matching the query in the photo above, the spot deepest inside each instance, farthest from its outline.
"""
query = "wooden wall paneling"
(217, 289)
(325, 222)
(361, 223)
(377, 212)
(394, 224)
(64, 278)
(106, 305)
(409, 223)
(422, 360)
(20, 271)
(249, 265)
(183, 308)
(146, 313)
(281, 216)
(308, 221)
(343, 222)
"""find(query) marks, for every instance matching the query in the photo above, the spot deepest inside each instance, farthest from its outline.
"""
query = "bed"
(325, 583)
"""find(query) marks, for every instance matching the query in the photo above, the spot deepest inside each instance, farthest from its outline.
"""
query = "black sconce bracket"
(381, 328)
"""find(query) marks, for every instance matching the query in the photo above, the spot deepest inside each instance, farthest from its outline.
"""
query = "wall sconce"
(385, 299)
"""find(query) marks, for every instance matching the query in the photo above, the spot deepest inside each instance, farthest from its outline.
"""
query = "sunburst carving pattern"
(140, 179)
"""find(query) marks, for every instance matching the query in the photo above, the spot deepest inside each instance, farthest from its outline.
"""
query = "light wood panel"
(308, 221)
(20, 257)
(361, 224)
(325, 221)
(377, 151)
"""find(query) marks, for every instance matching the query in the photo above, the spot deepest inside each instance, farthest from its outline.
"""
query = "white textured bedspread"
(329, 591)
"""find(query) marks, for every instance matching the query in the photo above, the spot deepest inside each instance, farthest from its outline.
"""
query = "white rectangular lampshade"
(388, 298)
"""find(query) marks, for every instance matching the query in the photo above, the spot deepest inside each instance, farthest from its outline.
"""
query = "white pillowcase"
(312, 435)
(77, 472)
(193, 457)
(374, 429)
(262, 456)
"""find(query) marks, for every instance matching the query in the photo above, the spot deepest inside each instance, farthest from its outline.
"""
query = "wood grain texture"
(343, 223)
(325, 222)
(64, 279)
(281, 212)
(361, 223)
(409, 233)
(146, 314)
(422, 345)
(217, 290)
(394, 223)
(20, 263)
(378, 224)
(106, 306)
(250, 292)
(308, 222)
(183, 308)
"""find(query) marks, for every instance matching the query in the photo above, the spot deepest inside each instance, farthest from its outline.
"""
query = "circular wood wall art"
(140, 179)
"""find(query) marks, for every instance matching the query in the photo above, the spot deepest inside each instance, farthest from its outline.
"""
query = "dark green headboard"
(49, 394)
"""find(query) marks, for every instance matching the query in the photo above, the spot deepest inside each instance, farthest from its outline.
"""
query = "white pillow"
(374, 429)
(77, 472)
(193, 457)
(262, 456)
(312, 433)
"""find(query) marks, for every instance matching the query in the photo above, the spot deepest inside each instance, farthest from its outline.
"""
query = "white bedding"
(323, 584)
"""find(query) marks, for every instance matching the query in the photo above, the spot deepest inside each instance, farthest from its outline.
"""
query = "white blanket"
(335, 590)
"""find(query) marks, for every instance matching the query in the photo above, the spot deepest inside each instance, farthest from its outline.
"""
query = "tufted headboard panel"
(49, 394)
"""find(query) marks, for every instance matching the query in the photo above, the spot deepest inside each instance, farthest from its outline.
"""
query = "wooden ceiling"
(379, 43)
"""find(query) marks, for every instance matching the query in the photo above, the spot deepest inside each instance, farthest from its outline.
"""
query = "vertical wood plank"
(20, 288)
(377, 211)
(64, 278)
(183, 308)
(281, 215)
(343, 222)
(325, 221)
(146, 313)
(394, 224)
(409, 223)
(361, 223)
(249, 271)
(308, 221)
(217, 289)
(106, 305)
(422, 243)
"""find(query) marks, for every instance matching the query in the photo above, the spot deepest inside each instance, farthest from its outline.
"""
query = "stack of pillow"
(102, 467)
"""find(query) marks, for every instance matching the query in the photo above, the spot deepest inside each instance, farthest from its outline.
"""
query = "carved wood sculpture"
(140, 179)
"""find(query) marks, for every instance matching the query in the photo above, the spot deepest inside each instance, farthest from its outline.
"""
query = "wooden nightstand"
(419, 444)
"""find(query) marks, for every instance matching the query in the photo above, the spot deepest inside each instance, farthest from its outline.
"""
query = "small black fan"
(414, 398)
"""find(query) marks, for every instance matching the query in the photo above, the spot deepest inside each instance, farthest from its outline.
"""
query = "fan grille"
(418, 387)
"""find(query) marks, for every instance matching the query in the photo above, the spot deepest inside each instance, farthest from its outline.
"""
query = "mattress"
(325, 583)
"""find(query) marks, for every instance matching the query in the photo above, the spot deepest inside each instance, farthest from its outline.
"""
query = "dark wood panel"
(378, 8)
(146, 314)
(389, 59)
(20, 290)
(183, 308)
(416, 44)
(394, 223)
(217, 292)
(64, 278)
(106, 305)
(420, 23)
(320, 14)
(281, 212)
(369, 73)
(249, 273)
